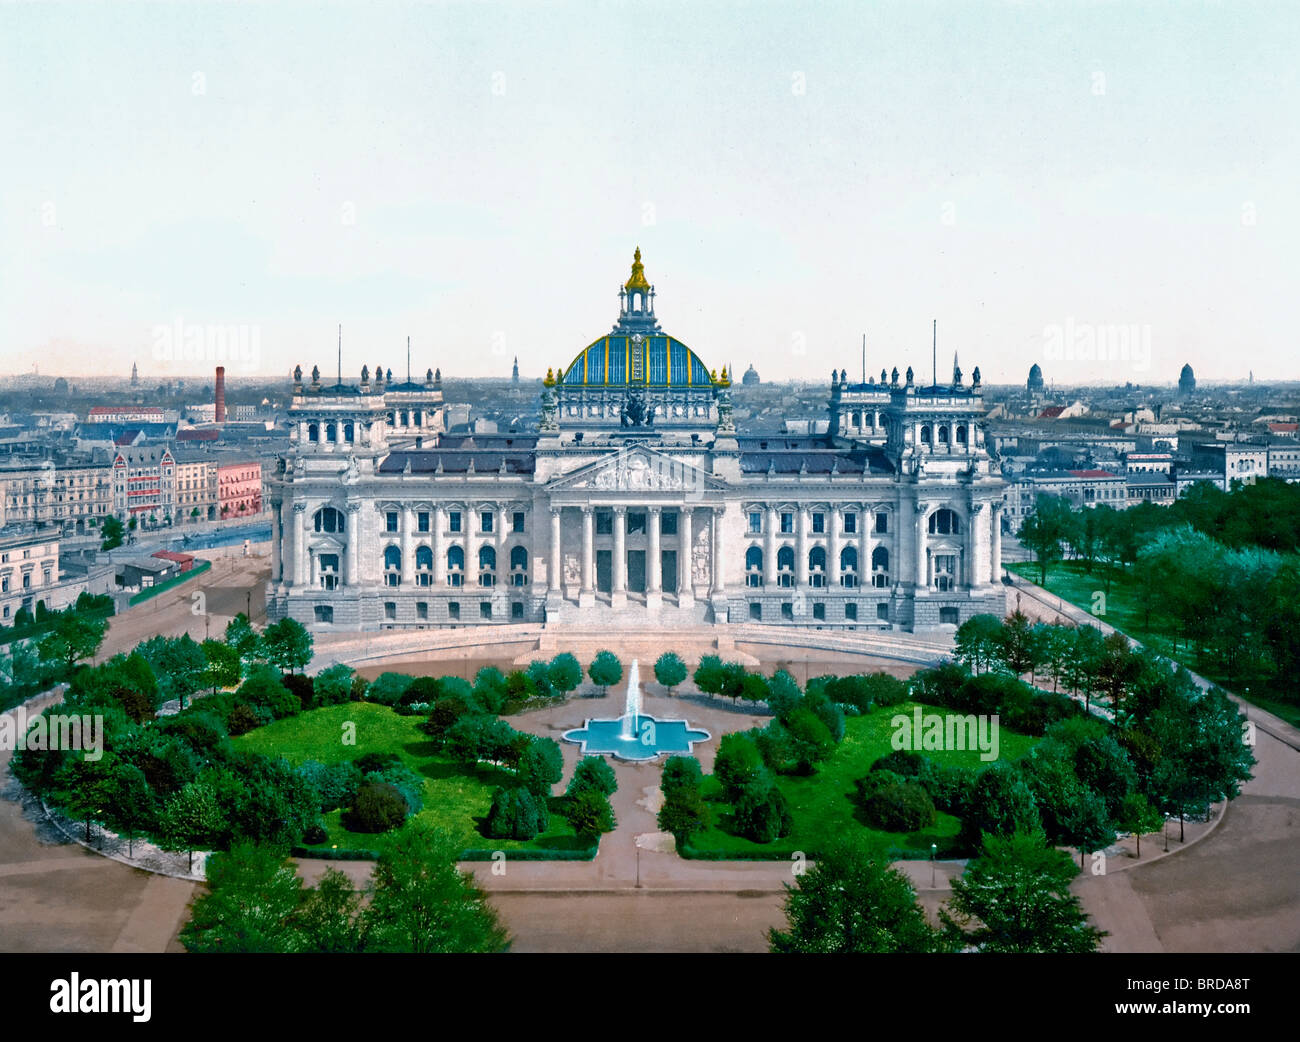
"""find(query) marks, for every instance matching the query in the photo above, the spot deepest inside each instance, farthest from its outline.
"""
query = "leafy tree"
(179, 664)
(222, 667)
(762, 813)
(851, 901)
(978, 642)
(1015, 897)
(684, 813)
(329, 917)
(265, 688)
(733, 680)
(670, 670)
(1117, 669)
(754, 688)
(680, 771)
(241, 636)
(516, 814)
(252, 892)
(1044, 532)
(589, 814)
(191, 819)
(810, 740)
(738, 764)
(1000, 803)
(709, 675)
(1102, 764)
(593, 772)
(132, 804)
(565, 672)
(113, 533)
(1136, 815)
(288, 645)
(75, 636)
(540, 766)
(333, 686)
(1017, 644)
(783, 694)
(605, 671)
(420, 902)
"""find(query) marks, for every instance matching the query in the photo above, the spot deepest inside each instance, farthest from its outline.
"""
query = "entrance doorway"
(636, 571)
(604, 571)
(669, 573)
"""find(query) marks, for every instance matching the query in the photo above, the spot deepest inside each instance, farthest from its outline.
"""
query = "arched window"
(880, 567)
(817, 565)
(423, 558)
(392, 558)
(943, 434)
(785, 566)
(331, 432)
(857, 417)
(961, 435)
(849, 567)
(455, 565)
(487, 566)
(754, 566)
(349, 432)
(313, 432)
(518, 565)
(925, 434)
(327, 519)
(944, 522)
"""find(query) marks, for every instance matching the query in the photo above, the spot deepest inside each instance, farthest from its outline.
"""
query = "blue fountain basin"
(650, 737)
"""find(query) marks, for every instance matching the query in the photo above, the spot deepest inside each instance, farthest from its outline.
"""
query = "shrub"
(245, 718)
(336, 783)
(589, 813)
(902, 762)
(405, 781)
(564, 672)
(516, 813)
(896, 806)
(332, 686)
(684, 813)
(264, 687)
(378, 808)
(783, 694)
(738, 764)
(302, 687)
(371, 762)
(762, 815)
(679, 771)
(315, 835)
(593, 772)
(388, 688)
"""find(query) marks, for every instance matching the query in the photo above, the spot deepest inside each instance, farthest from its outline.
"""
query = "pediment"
(637, 469)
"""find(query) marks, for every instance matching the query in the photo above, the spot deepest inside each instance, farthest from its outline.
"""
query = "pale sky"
(476, 176)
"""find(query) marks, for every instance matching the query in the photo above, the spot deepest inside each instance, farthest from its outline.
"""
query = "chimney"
(221, 394)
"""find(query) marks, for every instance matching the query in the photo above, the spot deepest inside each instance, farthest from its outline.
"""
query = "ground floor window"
(485, 609)
(819, 611)
(421, 609)
(882, 611)
(453, 609)
(948, 615)
(756, 611)
(851, 612)
(787, 610)
(517, 610)
(390, 610)
(324, 613)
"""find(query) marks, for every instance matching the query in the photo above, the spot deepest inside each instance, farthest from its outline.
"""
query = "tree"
(783, 694)
(1043, 532)
(851, 901)
(709, 675)
(329, 917)
(241, 636)
(131, 801)
(288, 645)
(670, 670)
(516, 814)
(420, 902)
(540, 766)
(179, 664)
(1000, 803)
(810, 740)
(1015, 897)
(684, 812)
(605, 671)
(378, 807)
(1018, 643)
(223, 668)
(589, 814)
(978, 642)
(191, 819)
(761, 813)
(738, 764)
(252, 892)
(1136, 815)
(113, 533)
(593, 772)
(1117, 668)
(565, 672)
(333, 686)
(75, 636)
(680, 770)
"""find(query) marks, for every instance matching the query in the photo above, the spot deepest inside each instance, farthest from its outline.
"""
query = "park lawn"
(453, 797)
(823, 804)
(1067, 580)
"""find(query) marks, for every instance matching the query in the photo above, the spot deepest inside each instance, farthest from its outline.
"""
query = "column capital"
(620, 508)
(587, 509)
(654, 510)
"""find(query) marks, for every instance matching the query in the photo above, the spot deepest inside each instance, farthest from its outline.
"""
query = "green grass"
(454, 798)
(823, 804)
(1067, 580)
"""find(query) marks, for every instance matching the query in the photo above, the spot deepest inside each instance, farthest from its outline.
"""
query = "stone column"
(301, 521)
(654, 562)
(277, 533)
(471, 544)
(833, 548)
(554, 574)
(685, 567)
(439, 544)
(918, 526)
(352, 530)
(587, 595)
(719, 559)
(619, 596)
(866, 518)
(408, 554)
(995, 562)
(801, 550)
(769, 548)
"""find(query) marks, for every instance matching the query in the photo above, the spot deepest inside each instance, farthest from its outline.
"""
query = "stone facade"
(637, 502)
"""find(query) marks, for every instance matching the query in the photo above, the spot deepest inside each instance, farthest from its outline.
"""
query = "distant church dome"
(1035, 382)
(750, 379)
(1186, 380)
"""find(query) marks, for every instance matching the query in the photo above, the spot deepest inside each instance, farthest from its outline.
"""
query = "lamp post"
(638, 868)
(934, 850)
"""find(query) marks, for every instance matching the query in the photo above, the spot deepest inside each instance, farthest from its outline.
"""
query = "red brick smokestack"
(221, 394)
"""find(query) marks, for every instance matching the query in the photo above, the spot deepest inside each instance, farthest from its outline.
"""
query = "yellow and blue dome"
(622, 360)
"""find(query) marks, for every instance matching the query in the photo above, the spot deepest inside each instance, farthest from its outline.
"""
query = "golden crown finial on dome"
(550, 378)
(638, 280)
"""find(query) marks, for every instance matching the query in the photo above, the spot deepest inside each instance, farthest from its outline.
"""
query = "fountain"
(635, 735)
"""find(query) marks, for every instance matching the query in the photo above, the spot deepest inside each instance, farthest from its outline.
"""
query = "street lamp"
(934, 850)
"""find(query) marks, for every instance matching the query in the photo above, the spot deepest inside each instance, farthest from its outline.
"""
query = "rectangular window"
(755, 522)
(517, 521)
(819, 523)
(390, 521)
(850, 523)
(882, 522)
(819, 611)
(324, 613)
(851, 611)
(453, 520)
(882, 611)
(453, 609)
(756, 611)
(636, 522)
(485, 609)
(668, 522)
(948, 615)
(390, 610)
(422, 521)
(485, 521)
(421, 609)
(517, 609)
(787, 610)
(392, 578)
(787, 523)
(604, 523)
